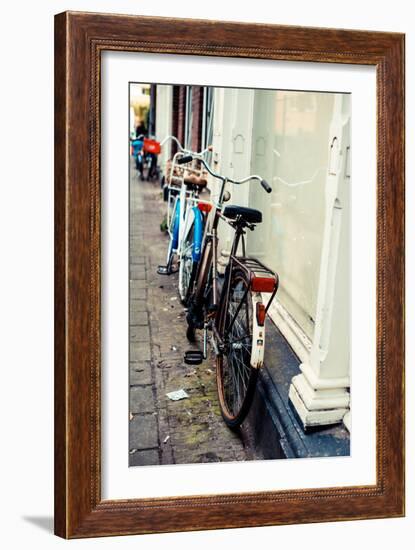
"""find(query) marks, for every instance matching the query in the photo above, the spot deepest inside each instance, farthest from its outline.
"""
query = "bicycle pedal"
(163, 270)
(193, 357)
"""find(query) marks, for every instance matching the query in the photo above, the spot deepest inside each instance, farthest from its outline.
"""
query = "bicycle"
(185, 217)
(146, 151)
(236, 316)
(137, 153)
(191, 242)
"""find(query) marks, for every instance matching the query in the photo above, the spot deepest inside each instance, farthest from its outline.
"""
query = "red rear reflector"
(204, 206)
(262, 284)
(260, 314)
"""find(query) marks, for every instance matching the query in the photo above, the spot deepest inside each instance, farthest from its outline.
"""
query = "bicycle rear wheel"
(236, 379)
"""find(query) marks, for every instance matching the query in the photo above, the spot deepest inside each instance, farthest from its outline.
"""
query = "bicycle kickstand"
(205, 339)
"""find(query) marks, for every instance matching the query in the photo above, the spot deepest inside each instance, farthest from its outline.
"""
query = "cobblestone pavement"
(164, 431)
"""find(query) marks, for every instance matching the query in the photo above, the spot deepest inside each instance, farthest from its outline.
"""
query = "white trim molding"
(320, 394)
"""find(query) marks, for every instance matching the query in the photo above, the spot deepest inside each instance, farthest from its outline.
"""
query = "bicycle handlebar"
(263, 182)
(173, 138)
(183, 150)
(185, 159)
(266, 186)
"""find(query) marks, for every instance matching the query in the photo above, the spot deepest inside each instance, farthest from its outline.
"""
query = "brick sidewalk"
(164, 431)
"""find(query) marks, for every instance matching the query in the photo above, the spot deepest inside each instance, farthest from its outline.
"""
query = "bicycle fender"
(198, 234)
(176, 225)
(258, 335)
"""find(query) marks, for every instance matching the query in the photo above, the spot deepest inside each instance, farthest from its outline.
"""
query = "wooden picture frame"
(79, 40)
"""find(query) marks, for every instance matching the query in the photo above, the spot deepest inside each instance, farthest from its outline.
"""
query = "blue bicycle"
(186, 213)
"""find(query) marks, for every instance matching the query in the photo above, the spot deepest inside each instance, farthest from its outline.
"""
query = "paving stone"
(137, 293)
(143, 432)
(137, 272)
(141, 399)
(149, 457)
(136, 242)
(139, 334)
(140, 373)
(140, 351)
(135, 227)
(138, 318)
(137, 305)
(137, 285)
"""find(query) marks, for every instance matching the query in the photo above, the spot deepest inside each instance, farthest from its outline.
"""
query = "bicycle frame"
(171, 178)
(178, 200)
(193, 218)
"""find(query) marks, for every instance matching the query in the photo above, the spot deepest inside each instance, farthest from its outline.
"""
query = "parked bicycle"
(145, 151)
(186, 213)
(136, 145)
(232, 310)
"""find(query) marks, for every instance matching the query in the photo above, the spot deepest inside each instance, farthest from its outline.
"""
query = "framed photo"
(229, 275)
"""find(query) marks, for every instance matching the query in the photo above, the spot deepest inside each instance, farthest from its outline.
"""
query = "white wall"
(290, 150)
(164, 104)
(26, 206)
(285, 137)
(232, 148)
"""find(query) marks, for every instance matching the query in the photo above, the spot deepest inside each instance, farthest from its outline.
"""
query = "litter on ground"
(177, 395)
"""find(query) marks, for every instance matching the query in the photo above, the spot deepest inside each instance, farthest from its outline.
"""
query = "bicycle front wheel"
(187, 267)
(236, 378)
(174, 236)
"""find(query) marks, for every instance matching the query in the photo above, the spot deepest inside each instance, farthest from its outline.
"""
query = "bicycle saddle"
(195, 180)
(249, 215)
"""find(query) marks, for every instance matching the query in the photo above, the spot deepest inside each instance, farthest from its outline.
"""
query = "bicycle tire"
(170, 255)
(173, 238)
(191, 333)
(187, 270)
(236, 379)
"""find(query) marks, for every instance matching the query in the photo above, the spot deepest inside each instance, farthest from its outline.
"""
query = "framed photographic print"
(229, 275)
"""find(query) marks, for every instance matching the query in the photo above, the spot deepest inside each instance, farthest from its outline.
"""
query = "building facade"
(300, 143)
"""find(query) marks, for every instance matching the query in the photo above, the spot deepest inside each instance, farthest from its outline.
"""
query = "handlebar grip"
(185, 159)
(266, 186)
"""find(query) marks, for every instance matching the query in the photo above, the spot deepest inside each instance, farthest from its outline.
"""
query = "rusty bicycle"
(231, 310)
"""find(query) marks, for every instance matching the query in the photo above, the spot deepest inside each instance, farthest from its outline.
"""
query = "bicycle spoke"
(237, 333)
(187, 263)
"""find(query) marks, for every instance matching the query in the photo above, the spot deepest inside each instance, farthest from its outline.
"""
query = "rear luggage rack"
(262, 279)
